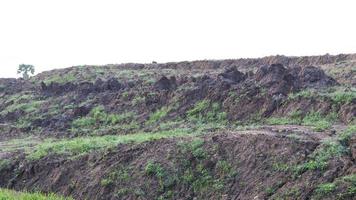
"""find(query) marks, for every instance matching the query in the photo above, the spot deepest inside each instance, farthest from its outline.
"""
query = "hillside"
(267, 128)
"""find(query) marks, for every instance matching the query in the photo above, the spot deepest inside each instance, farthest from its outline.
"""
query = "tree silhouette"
(25, 70)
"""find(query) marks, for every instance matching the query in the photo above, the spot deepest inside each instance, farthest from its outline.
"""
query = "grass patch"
(205, 112)
(28, 107)
(318, 160)
(60, 79)
(158, 115)
(82, 145)
(314, 119)
(98, 119)
(338, 95)
(345, 136)
(6, 194)
(319, 122)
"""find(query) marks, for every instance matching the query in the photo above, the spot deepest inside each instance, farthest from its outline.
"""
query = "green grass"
(60, 79)
(314, 119)
(319, 122)
(154, 169)
(158, 115)
(319, 160)
(345, 136)
(99, 119)
(28, 107)
(6, 194)
(206, 112)
(338, 95)
(325, 189)
(281, 121)
(82, 145)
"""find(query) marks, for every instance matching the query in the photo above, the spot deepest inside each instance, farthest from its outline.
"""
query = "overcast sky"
(61, 33)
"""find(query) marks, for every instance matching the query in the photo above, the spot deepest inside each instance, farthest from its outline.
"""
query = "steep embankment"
(229, 129)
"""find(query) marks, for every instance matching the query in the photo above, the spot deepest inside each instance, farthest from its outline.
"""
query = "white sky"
(61, 33)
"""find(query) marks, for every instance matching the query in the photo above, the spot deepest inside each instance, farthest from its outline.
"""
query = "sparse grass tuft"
(158, 115)
(325, 189)
(319, 122)
(6, 194)
(205, 112)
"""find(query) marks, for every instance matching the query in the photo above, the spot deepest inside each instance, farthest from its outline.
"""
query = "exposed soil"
(238, 153)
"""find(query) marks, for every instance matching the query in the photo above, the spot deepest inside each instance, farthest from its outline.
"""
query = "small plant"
(26, 70)
(106, 182)
(154, 169)
(158, 115)
(319, 122)
(195, 148)
(204, 112)
(325, 189)
(345, 136)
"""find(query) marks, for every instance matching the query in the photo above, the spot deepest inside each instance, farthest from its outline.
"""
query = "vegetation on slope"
(6, 194)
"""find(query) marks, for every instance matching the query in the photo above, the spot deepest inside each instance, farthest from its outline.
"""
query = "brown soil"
(260, 162)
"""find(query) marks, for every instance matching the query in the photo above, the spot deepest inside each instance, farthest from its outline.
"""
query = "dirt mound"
(312, 77)
(276, 78)
(266, 128)
(11, 85)
(55, 88)
(232, 75)
(166, 84)
(218, 166)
